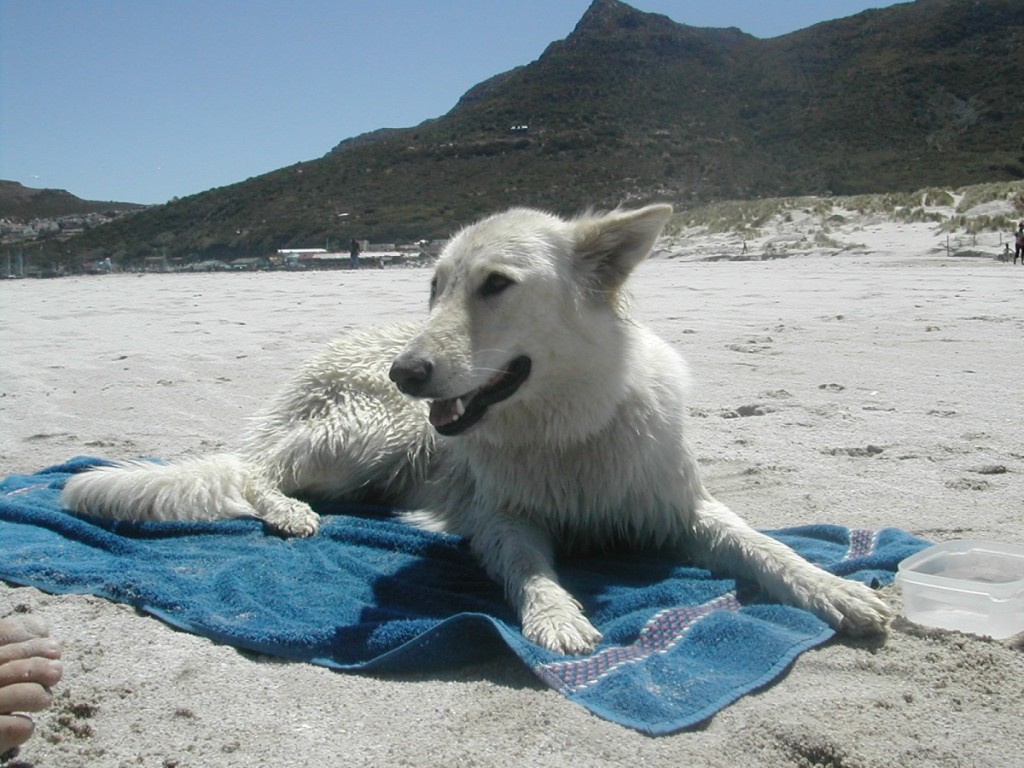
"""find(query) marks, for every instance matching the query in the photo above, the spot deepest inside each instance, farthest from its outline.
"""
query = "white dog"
(536, 417)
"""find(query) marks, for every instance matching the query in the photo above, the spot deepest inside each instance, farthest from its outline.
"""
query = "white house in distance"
(320, 258)
(298, 258)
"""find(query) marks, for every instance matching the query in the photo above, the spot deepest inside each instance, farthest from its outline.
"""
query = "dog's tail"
(208, 488)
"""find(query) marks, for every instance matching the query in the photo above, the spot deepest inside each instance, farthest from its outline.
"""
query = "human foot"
(29, 666)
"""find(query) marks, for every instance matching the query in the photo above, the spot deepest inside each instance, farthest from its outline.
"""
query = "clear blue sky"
(145, 100)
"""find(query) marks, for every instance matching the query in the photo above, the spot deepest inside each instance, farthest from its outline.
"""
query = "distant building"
(299, 251)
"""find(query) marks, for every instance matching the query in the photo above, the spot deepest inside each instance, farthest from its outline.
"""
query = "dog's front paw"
(292, 519)
(561, 628)
(856, 610)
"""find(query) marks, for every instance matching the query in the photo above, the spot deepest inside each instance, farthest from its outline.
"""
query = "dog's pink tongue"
(442, 412)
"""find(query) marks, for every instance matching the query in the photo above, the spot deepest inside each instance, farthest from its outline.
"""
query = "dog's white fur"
(589, 451)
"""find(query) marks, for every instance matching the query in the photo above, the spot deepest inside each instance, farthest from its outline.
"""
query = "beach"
(867, 386)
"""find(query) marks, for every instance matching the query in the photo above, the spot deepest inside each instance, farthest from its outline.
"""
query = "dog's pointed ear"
(609, 246)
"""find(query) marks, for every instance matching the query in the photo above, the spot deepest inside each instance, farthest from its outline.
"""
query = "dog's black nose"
(411, 374)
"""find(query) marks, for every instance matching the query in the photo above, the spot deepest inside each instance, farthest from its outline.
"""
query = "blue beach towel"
(370, 593)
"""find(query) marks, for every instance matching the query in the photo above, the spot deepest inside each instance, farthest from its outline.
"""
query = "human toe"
(43, 671)
(16, 629)
(15, 730)
(34, 647)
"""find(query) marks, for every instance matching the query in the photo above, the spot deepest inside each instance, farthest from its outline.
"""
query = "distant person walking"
(353, 253)
(1019, 246)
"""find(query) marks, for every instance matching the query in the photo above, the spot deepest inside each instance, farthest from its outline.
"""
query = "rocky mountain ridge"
(631, 107)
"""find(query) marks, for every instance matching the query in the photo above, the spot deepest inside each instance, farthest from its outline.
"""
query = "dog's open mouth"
(456, 415)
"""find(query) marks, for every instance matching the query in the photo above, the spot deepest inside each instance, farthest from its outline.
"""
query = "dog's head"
(524, 308)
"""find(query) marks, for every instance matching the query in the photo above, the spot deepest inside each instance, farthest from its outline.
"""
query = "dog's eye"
(495, 284)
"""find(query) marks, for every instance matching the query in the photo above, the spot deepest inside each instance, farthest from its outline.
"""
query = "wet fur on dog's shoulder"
(527, 412)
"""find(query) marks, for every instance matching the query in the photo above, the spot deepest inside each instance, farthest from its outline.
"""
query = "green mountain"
(632, 106)
(24, 203)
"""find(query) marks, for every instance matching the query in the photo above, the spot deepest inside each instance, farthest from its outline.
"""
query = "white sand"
(888, 344)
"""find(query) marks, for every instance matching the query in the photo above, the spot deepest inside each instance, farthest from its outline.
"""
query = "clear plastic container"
(969, 586)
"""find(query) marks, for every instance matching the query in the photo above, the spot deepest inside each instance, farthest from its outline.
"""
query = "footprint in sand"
(747, 410)
(753, 346)
(123, 445)
(968, 484)
(991, 469)
(50, 436)
(857, 452)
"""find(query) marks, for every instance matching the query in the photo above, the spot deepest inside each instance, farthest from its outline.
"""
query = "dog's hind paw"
(563, 629)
